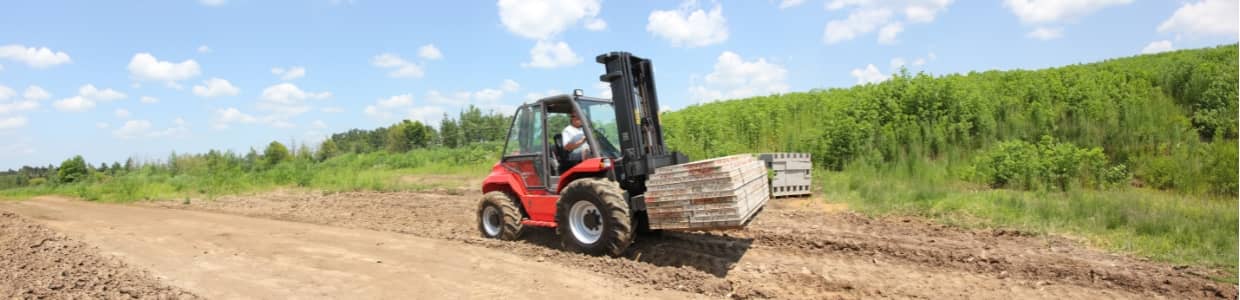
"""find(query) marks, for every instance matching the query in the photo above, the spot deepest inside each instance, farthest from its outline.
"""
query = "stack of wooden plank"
(718, 193)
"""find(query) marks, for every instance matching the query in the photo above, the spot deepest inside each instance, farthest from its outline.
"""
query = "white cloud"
(122, 113)
(857, 23)
(488, 95)
(12, 122)
(291, 73)
(286, 100)
(685, 27)
(1157, 46)
(897, 63)
(549, 55)
(1045, 33)
(887, 35)
(510, 85)
(888, 17)
(1207, 17)
(426, 114)
(105, 95)
(790, 3)
(35, 93)
(596, 25)
(318, 124)
(17, 106)
(1053, 11)
(544, 19)
(145, 66)
(331, 110)
(74, 104)
(6, 92)
(143, 129)
(224, 117)
(101, 125)
(402, 106)
(149, 100)
(870, 74)
(204, 49)
(430, 52)
(401, 68)
(734, 77)
(215, 87)
(458, 98)
(34, 57)
(213, 2)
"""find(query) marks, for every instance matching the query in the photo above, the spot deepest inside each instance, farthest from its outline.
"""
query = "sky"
(111, 80)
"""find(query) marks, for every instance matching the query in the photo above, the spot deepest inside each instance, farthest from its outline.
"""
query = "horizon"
(144, 81)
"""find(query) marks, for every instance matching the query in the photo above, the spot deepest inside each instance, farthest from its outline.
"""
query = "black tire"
(509, 217)
(607, 197)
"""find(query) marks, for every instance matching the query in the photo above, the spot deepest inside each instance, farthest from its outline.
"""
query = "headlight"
(604, 163)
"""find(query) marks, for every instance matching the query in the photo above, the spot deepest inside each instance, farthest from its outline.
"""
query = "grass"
(1165, 226)
(380, 171)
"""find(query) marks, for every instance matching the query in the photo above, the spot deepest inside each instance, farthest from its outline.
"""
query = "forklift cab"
(534, 148)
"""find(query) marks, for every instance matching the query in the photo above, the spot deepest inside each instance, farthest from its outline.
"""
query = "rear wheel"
(592, 217)
(498, 217)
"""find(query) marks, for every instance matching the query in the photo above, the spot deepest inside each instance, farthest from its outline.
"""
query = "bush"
(1047, 164)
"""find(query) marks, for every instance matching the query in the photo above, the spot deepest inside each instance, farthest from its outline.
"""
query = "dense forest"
(1166, 121)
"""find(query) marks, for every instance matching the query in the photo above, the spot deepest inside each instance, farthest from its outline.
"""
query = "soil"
(797, 249)
(37, 263)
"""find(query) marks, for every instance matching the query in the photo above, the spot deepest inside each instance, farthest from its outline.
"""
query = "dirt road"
(229, 257)
(795, 249)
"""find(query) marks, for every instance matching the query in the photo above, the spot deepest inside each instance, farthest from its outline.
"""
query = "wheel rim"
(585, 222)
(491, 220)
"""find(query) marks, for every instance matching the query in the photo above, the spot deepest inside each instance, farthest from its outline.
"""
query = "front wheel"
(498, 217)
(593, 217)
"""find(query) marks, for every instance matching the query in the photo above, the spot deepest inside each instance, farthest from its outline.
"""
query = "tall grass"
(1166, 226)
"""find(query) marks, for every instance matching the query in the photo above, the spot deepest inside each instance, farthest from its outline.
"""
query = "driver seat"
(561, 155)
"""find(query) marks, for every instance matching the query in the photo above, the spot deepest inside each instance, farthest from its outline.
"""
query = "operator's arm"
(570, 145)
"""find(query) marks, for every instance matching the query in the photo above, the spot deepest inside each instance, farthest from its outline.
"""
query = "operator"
(574, 140)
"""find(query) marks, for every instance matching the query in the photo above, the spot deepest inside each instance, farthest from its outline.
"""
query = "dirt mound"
(789, 252)
(40, 263)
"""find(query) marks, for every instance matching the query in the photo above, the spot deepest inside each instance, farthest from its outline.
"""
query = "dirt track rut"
(795, 249)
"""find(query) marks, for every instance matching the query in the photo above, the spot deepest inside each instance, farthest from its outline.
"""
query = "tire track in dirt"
(788, 252)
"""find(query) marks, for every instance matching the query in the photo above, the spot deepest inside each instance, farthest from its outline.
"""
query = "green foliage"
(274, 154)
(72, 170)
(327, 150)
(1162, 117)
(1046, 164)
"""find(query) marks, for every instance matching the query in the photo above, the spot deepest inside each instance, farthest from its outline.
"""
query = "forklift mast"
(637, 118)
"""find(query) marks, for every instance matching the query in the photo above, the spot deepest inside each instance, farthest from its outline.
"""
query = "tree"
(72, 170)
(116, 167)
(449, 132)
(327, 150)
(304, 153)
(397, 138)
(275, 154)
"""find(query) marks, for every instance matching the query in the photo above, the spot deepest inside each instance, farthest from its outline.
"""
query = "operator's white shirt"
(572, 135)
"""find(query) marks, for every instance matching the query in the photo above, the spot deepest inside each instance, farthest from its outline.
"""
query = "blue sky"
(116, 79)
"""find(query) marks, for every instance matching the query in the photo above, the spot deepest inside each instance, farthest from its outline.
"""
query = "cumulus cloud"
(144, 129)
(1208, 17)
(122, 113)
(12, 122)
(1157, 46)
(400, 67)
(213, 3)
(290, 73)
(34, 57)
(790, 3)
(225, 117)
(402, 106)
(544, 19)
(36, 93)
(1048, 15)
(689, 27)
(889, 18)
(430, 52)
(734, 77)
(204, 49)
(148, 100)
(215, 87)
(596, 25)
(88, 95)
(510, 85)
(870, 74)
(548, 55)
(145, 66)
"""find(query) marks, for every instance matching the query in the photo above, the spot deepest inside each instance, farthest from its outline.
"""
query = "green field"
(1137, 154)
